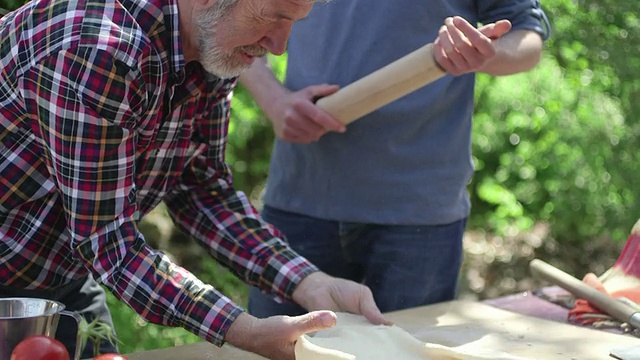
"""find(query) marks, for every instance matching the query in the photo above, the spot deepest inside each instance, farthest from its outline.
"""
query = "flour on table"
(354, 338)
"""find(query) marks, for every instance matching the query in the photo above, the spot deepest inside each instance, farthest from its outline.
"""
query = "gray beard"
(212, 57)
(218, 63)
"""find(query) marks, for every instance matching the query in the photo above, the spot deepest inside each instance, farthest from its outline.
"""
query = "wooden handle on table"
(383, 86)
(607, 304)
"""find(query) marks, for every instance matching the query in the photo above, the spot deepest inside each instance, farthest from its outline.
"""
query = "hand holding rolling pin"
(293, 114)
(459, 48)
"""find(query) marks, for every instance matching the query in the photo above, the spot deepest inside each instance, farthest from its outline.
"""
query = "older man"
(108, 108)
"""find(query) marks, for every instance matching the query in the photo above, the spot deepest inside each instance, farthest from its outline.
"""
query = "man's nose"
(276, 40)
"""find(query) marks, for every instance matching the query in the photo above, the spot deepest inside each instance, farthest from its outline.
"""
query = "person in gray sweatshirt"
(383, 201)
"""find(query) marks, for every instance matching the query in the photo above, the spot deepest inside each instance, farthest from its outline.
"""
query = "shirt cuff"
(211, 315)
(284, 271)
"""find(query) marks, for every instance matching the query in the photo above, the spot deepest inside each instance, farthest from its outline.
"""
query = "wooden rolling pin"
(383, 86)
(605, 303)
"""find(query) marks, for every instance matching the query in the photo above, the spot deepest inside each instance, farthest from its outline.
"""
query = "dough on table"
(354, 338)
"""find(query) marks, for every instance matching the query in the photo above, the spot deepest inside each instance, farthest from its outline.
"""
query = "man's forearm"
(260, 81)
(518, 51)
(241, 332)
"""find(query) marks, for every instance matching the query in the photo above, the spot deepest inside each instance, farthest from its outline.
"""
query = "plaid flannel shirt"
(100, 120)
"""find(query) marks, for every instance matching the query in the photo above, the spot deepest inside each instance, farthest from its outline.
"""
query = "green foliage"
(9, 5)
(559, 144)
(548, 148)
(251, 137)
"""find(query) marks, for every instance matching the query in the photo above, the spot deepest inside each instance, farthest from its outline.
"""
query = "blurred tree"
(561, 144)
(557, 148)
(251, 138)
(9, 5)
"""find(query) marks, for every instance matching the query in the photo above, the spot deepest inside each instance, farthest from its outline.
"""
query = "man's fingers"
(326, 121)
(303, 134)
(304, 122)
(376, 317)
(321, 118)
(458, 29)
(469, 40)
(314, 321)
(461, 47)
(370, 310)
(496, 30)
(446, 38)
(322, 90)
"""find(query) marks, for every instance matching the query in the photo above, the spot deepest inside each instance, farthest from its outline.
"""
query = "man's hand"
(294, 114)
(296, 118)
(320, 291)
(275, 337)
(461, 48)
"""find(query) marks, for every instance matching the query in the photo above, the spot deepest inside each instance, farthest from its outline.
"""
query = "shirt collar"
(176, 57)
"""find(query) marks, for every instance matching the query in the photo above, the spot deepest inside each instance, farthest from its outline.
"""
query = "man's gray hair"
(215, 12)
(225, 5)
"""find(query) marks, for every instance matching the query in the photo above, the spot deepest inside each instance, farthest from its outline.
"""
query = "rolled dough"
(354, 338)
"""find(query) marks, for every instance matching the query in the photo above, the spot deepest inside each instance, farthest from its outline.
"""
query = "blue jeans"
(403, 265)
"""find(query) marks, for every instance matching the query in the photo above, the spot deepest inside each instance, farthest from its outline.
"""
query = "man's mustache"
(254, 50)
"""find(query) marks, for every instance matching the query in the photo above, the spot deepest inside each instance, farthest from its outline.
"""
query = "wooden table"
(456, 323)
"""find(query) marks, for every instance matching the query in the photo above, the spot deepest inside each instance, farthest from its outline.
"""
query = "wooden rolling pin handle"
(578, 288)
(383, 86)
